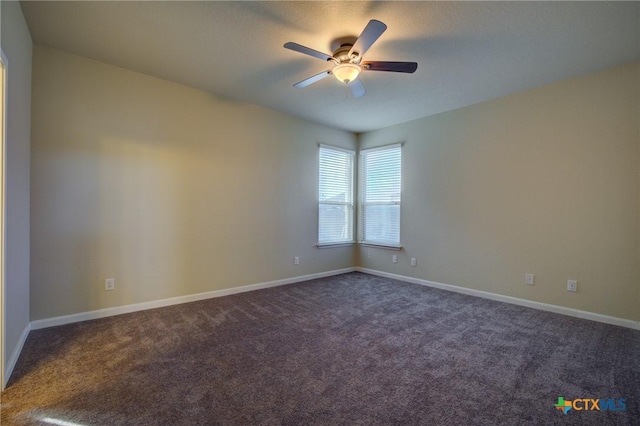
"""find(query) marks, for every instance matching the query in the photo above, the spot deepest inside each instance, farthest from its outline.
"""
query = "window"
(380, 183)
(335, 196)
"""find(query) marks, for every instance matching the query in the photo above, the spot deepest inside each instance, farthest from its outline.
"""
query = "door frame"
(4, 72)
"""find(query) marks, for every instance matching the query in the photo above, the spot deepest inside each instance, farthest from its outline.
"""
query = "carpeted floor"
(354, 349)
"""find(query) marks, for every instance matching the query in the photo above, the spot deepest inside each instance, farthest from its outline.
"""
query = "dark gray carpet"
(351, 350)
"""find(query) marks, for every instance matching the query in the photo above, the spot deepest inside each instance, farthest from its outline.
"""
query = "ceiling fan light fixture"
(346, 72)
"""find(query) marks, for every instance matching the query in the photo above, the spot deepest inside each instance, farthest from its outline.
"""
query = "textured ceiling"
(467, 52)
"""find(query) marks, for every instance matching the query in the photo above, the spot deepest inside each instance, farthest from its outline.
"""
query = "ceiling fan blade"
(370, 34)
(307, 51)
(309, 81)
(408, 67)
(357, 88)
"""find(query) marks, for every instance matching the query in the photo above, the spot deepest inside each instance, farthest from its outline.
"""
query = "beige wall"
(175, 191)
(170, 190)
(16, 44)
(542, 182)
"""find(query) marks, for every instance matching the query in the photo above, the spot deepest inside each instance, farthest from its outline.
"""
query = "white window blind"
(380, 192)
(335, 196)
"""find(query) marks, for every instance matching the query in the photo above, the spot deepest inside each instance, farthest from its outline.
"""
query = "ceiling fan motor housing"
(342, 54)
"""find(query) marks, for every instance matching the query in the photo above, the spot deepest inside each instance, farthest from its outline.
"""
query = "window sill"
(382, 246)
(332, 245)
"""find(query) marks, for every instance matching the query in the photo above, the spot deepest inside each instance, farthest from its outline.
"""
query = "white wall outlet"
(572, 285)
(414, 261)
(394, 258)
(529, 279)
(296, 260)
(109, 284)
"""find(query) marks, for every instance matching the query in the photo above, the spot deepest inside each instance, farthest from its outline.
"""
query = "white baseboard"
(108, 312)
(15, 354)
(508, 299)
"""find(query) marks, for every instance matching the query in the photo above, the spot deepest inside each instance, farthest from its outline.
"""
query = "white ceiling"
(467, 52)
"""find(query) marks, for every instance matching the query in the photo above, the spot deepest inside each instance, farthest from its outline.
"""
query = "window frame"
(362, 205)
(4, 77)
(351, 204)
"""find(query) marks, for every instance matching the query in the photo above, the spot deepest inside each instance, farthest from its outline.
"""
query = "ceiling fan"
(347, 60)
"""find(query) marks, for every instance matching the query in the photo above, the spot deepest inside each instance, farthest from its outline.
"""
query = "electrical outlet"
(109, 284)
(572, 285)
(529, 279)
(414, 261)
(394, 258)
(296, 260)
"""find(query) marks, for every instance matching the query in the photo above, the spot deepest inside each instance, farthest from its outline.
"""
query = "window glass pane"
(383, 175)
(336, 223)
(381, 224)
(336, 176)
